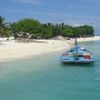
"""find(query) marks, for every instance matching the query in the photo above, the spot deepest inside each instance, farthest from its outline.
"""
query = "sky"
(68, 11)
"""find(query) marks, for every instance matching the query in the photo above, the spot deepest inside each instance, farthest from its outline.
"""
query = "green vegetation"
(4, 28)
(30, 28)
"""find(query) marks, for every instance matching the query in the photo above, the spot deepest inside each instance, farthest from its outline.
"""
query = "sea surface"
(45, 78)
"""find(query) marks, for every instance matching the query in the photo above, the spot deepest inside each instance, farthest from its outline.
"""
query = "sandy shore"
(12, 49)
(95, 38)
(87, 39)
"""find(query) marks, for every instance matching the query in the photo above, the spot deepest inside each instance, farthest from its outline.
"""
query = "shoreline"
(87, 39)
(12, 50)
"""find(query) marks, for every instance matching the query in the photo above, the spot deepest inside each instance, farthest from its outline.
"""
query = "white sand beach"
(12, 49)
(87, 39)
(95, 38)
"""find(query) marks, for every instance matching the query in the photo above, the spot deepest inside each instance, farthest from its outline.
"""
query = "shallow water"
(45, 78)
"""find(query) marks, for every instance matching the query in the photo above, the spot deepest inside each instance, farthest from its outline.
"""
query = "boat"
(77, 54)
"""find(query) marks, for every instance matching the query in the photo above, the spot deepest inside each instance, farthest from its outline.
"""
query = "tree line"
(30, 28)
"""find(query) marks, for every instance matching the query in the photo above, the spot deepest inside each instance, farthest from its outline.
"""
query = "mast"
(75, 41)
(76, 45)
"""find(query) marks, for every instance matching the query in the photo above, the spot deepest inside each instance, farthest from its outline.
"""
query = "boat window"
(80, 55)
(83, 49)
(71, 50)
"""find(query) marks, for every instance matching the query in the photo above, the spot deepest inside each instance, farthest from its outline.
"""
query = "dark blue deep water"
(45, 78)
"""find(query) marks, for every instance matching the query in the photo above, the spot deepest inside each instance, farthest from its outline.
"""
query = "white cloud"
(29, 2)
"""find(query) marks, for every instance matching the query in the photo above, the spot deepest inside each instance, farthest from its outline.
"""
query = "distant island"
(33, 29)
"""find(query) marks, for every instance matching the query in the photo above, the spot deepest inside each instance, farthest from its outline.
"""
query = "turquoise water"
(45, 78)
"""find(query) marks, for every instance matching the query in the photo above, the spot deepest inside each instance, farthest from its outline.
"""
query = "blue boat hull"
(76, 61)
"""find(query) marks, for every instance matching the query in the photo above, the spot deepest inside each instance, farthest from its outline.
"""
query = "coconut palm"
(4, 29)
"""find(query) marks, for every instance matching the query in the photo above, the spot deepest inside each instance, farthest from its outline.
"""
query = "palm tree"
(2, 23)
(4, 29)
